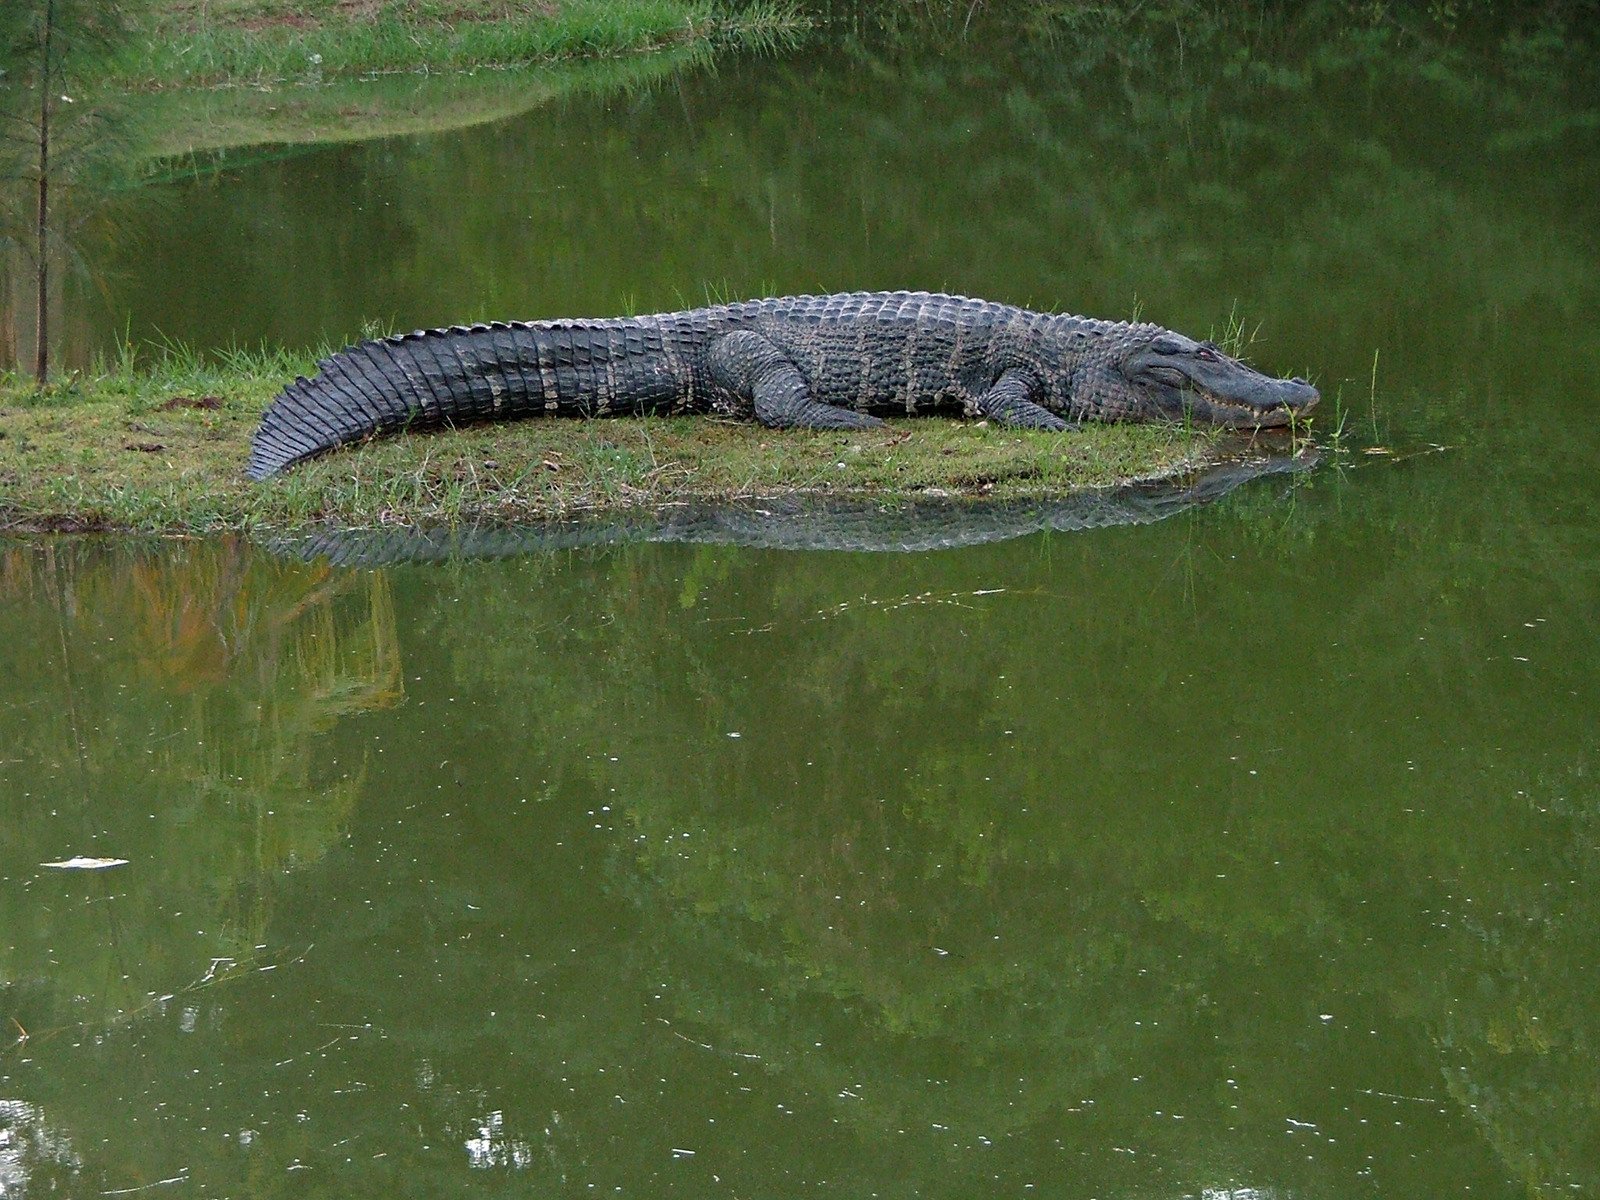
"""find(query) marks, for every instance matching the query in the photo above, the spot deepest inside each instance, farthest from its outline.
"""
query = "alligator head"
(1161, 374)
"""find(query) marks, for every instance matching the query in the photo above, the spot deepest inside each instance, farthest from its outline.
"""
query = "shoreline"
(267, 45)
(199, 82)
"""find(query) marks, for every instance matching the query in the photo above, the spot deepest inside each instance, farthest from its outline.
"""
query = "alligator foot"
(751, 367)
(1011, 402)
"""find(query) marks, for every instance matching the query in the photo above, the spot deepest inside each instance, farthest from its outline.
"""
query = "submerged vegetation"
(161, 448)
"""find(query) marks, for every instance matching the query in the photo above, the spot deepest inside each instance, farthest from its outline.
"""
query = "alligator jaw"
(1272, 405)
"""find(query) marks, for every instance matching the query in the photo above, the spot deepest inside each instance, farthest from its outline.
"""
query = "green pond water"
(1253, 852)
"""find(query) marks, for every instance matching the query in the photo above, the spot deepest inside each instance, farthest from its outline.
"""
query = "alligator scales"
(814, 362)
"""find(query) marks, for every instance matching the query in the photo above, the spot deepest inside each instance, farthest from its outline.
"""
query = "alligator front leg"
(1011, 402)
(750, 366)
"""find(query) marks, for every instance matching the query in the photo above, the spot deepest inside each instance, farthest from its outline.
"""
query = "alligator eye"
(1205, 354)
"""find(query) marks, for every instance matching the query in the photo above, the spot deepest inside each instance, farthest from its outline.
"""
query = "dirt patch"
(208, 403)
(500, 10)
(288, 19)
(55, 524)
(463, 14)
(345, 13)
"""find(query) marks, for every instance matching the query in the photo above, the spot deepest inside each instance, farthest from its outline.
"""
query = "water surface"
(1250, 852)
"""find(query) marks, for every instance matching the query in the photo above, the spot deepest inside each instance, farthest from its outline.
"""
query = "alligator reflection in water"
(807, 522)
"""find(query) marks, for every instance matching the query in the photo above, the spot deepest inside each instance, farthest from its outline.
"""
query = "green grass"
(270, 43)
(160, 446)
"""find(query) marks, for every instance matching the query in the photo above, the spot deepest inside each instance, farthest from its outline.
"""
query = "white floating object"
(86, 864)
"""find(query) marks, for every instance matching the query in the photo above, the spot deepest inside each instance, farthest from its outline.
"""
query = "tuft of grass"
(157, 442)
(1372, 396)
(766, 26)
(1235, 338)
(1342, 437)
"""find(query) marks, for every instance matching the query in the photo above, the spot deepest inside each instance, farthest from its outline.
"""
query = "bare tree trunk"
(41, 357)
(10, 305)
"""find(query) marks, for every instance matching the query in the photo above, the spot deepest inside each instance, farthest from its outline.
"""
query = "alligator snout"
(1281, 403)
(1301, 395)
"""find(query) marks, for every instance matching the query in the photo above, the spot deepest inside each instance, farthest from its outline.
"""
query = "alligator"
(815, 362)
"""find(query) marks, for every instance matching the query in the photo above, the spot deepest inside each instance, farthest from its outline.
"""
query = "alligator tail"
(432, 377)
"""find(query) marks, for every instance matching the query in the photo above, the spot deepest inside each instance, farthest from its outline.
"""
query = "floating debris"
(86, 864)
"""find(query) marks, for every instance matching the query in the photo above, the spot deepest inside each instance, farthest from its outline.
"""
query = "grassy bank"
(267, 43)
(160, 447)
(208, 75)
(187, 127)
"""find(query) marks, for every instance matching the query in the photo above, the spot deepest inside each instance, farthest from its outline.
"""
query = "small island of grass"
(161, 448)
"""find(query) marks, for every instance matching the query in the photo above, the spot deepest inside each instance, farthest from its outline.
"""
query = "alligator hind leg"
(750, 366)
(1011, 402)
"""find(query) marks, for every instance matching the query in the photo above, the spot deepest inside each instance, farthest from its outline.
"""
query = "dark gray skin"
(1189, 380)
(814, 362)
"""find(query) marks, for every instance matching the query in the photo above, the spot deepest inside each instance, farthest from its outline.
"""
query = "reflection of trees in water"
(883, 901)
(922, 888)
(174, 698)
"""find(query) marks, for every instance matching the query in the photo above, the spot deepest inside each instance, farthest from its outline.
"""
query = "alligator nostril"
(1297, 379)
